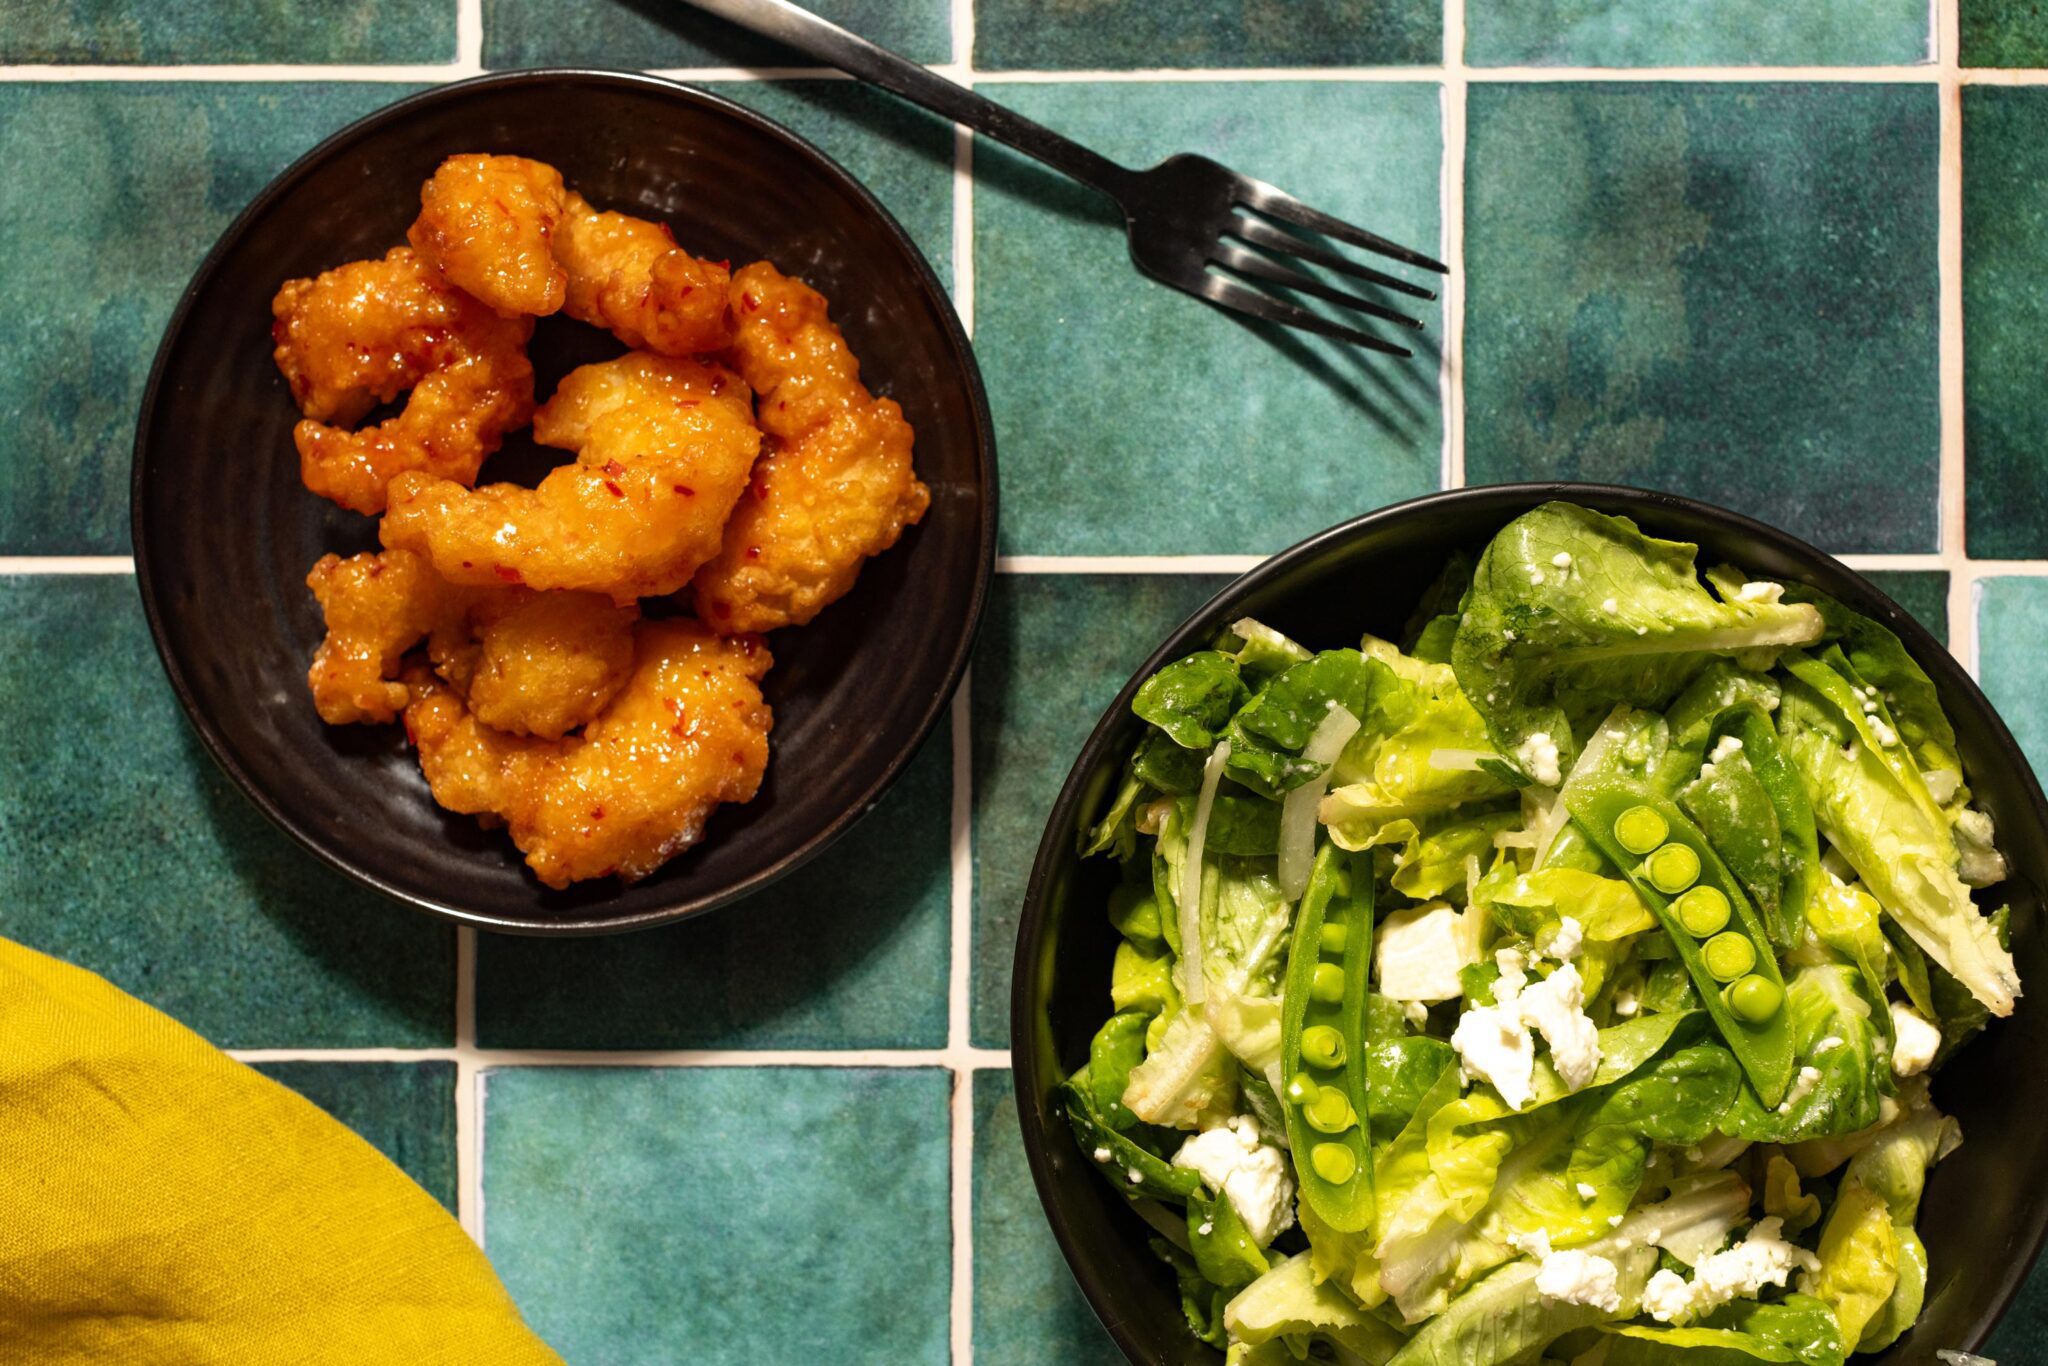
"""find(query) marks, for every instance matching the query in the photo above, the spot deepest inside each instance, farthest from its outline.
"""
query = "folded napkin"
(162, 1203)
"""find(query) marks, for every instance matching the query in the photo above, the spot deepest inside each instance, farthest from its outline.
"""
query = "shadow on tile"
(661, 34)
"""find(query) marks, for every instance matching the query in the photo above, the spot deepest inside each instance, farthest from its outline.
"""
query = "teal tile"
(405, 1110)
(1622, 33)
(1054, 650)
(2005, 320)
(1134, 420)
(2004, 33)
(150, 32)
(850, 951)
(1725, 290)
(1922, 592)
(124, 850)
(636, 33)
(755, 1215)
(2012, 621)
(151, 174)
(2024, 1328)
(1027, 1309)
(903, 155)
(1099, 35)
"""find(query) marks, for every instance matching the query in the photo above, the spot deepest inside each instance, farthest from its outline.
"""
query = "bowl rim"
(155, 611)
(1032, 1069)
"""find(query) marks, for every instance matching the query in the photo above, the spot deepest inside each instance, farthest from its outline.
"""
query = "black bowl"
(1985, 1211)
(224, 532)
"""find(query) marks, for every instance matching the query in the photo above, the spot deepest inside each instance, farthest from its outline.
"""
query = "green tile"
(2024, 1328)
(2012, 621)
(1922, 592)
(1099, 35)
(1027, 1309)
(848, 952)
(124, 850)
(1725, 290)
(151, 174)
(406, 1110)
(1054, 650)
(902, 154)
(637, 33)
(755, 1215)
(1621, 33)
(2005, 33)
(1134, 420)
(151, 32)
(2005, 319)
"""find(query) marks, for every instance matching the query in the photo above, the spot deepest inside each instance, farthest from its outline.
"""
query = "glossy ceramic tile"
(1027, 1309)
(405, 1110)
(1611, 33)
(1663, 289)
(1094, 35)
(2004, 33)
(1054, 651)
(1134, 420)
(1924, 593)
(106, 32)
(2012, 621)
(640, 33)
(849, 952)
(124, 850)
(2005, 319)
(152, 173)
(756, 1215)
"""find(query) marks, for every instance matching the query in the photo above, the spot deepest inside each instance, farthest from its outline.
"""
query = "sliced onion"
(1298, 810)
(1459, 760)
(1196, 987)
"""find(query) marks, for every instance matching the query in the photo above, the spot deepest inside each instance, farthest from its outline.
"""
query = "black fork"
(1194, 224)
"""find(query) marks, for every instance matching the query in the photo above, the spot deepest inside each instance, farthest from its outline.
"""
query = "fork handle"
(797, 27)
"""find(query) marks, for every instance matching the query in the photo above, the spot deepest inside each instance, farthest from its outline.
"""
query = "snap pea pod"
(1798, 837)
(1709, 919)
(1130, 1168)
(1224, 1249)
(1119, 1046)
(1323, 1055)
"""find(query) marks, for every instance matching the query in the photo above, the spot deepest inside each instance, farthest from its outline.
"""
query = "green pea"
(1322, 1046)
(1673, 868)
(1728, 955)
(1332, 936)
(1327, 985)
(1330, 1112)
(1703, 911)
(1754, 998)
(1333, 1162)
(1301, 1088)
(1640, 829)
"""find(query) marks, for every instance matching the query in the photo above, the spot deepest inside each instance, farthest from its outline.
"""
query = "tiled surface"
(1697, 279)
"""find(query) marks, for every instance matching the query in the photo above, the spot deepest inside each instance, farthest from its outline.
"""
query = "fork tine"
(1277, 203)
(1250, 263)
(1227, 293)
(1263, 234)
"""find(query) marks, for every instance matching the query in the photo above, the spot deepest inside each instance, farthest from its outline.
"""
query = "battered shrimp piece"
(663, 445)
(689, 731)
(529, 663)
(628, 275)
(488, 223)
(363, 333)
(835, 483)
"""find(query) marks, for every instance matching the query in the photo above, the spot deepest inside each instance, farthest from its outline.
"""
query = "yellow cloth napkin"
(160, 1202)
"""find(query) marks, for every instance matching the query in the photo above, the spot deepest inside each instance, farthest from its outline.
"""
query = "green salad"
(1559, 985)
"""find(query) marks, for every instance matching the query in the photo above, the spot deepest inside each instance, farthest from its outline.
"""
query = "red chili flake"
(748, 302)
(508, 573)
(614, 468)
(377, 568)
(667, 232)
(467, 565)
(686, 490)
(725, 265)
(597, 813)
(686, 291)
(753, 552)
(748, 643)
(739, 758)
(280, 330)
(760, 487)
(616, 491)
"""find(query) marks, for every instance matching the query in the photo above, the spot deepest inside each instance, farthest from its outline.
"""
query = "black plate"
(224, 532)
(1984, 1214)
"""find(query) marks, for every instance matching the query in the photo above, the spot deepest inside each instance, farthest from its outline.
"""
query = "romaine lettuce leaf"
(1503, 1319)
(1192, 699)
(1834, 1038)
(1187, 1077)
(1799, 1330)
(1290, 1302)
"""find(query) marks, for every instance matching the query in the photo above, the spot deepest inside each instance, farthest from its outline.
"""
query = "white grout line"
(341, 1054)
(469, 1164)
(66, 564)
(254, 73)
(1127, 564)
(699, 75)
(1452, 197)
(1952, 502)
(486, 1059)
(469, 37)
(959, 996)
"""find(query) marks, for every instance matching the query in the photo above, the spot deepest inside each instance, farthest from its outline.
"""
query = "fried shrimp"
(835, 482)
(663, 445)
(488, 223)
(363, 333)
(628, 275)
(688, 732)
(528, 663)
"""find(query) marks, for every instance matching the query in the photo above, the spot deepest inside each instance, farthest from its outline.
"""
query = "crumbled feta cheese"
(1536, 578)
(1134, 1176)
(1626, 1002)
(1802, 1087)
(1614, 1221)
(1917, 1040)
(1415, 1012)
(1254, 1176)
(1580, 1278)
(1760, 591)
(1570, 935)
(1537, 754)
(1555, 1008)
(1562, 559)
(1494, 1042)
(1102, 1154)
(1642, 630)
(1587, 1190)
(1886, 736)
(1514, 975)
(1978, 861)
(1422, 949)
(1763, 1258)
(1494, 1045)
(1943, 784)
(1827, 1045)
(1206, 1228)
(1609, 606)
(1535, 1243)
(1726, 746)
